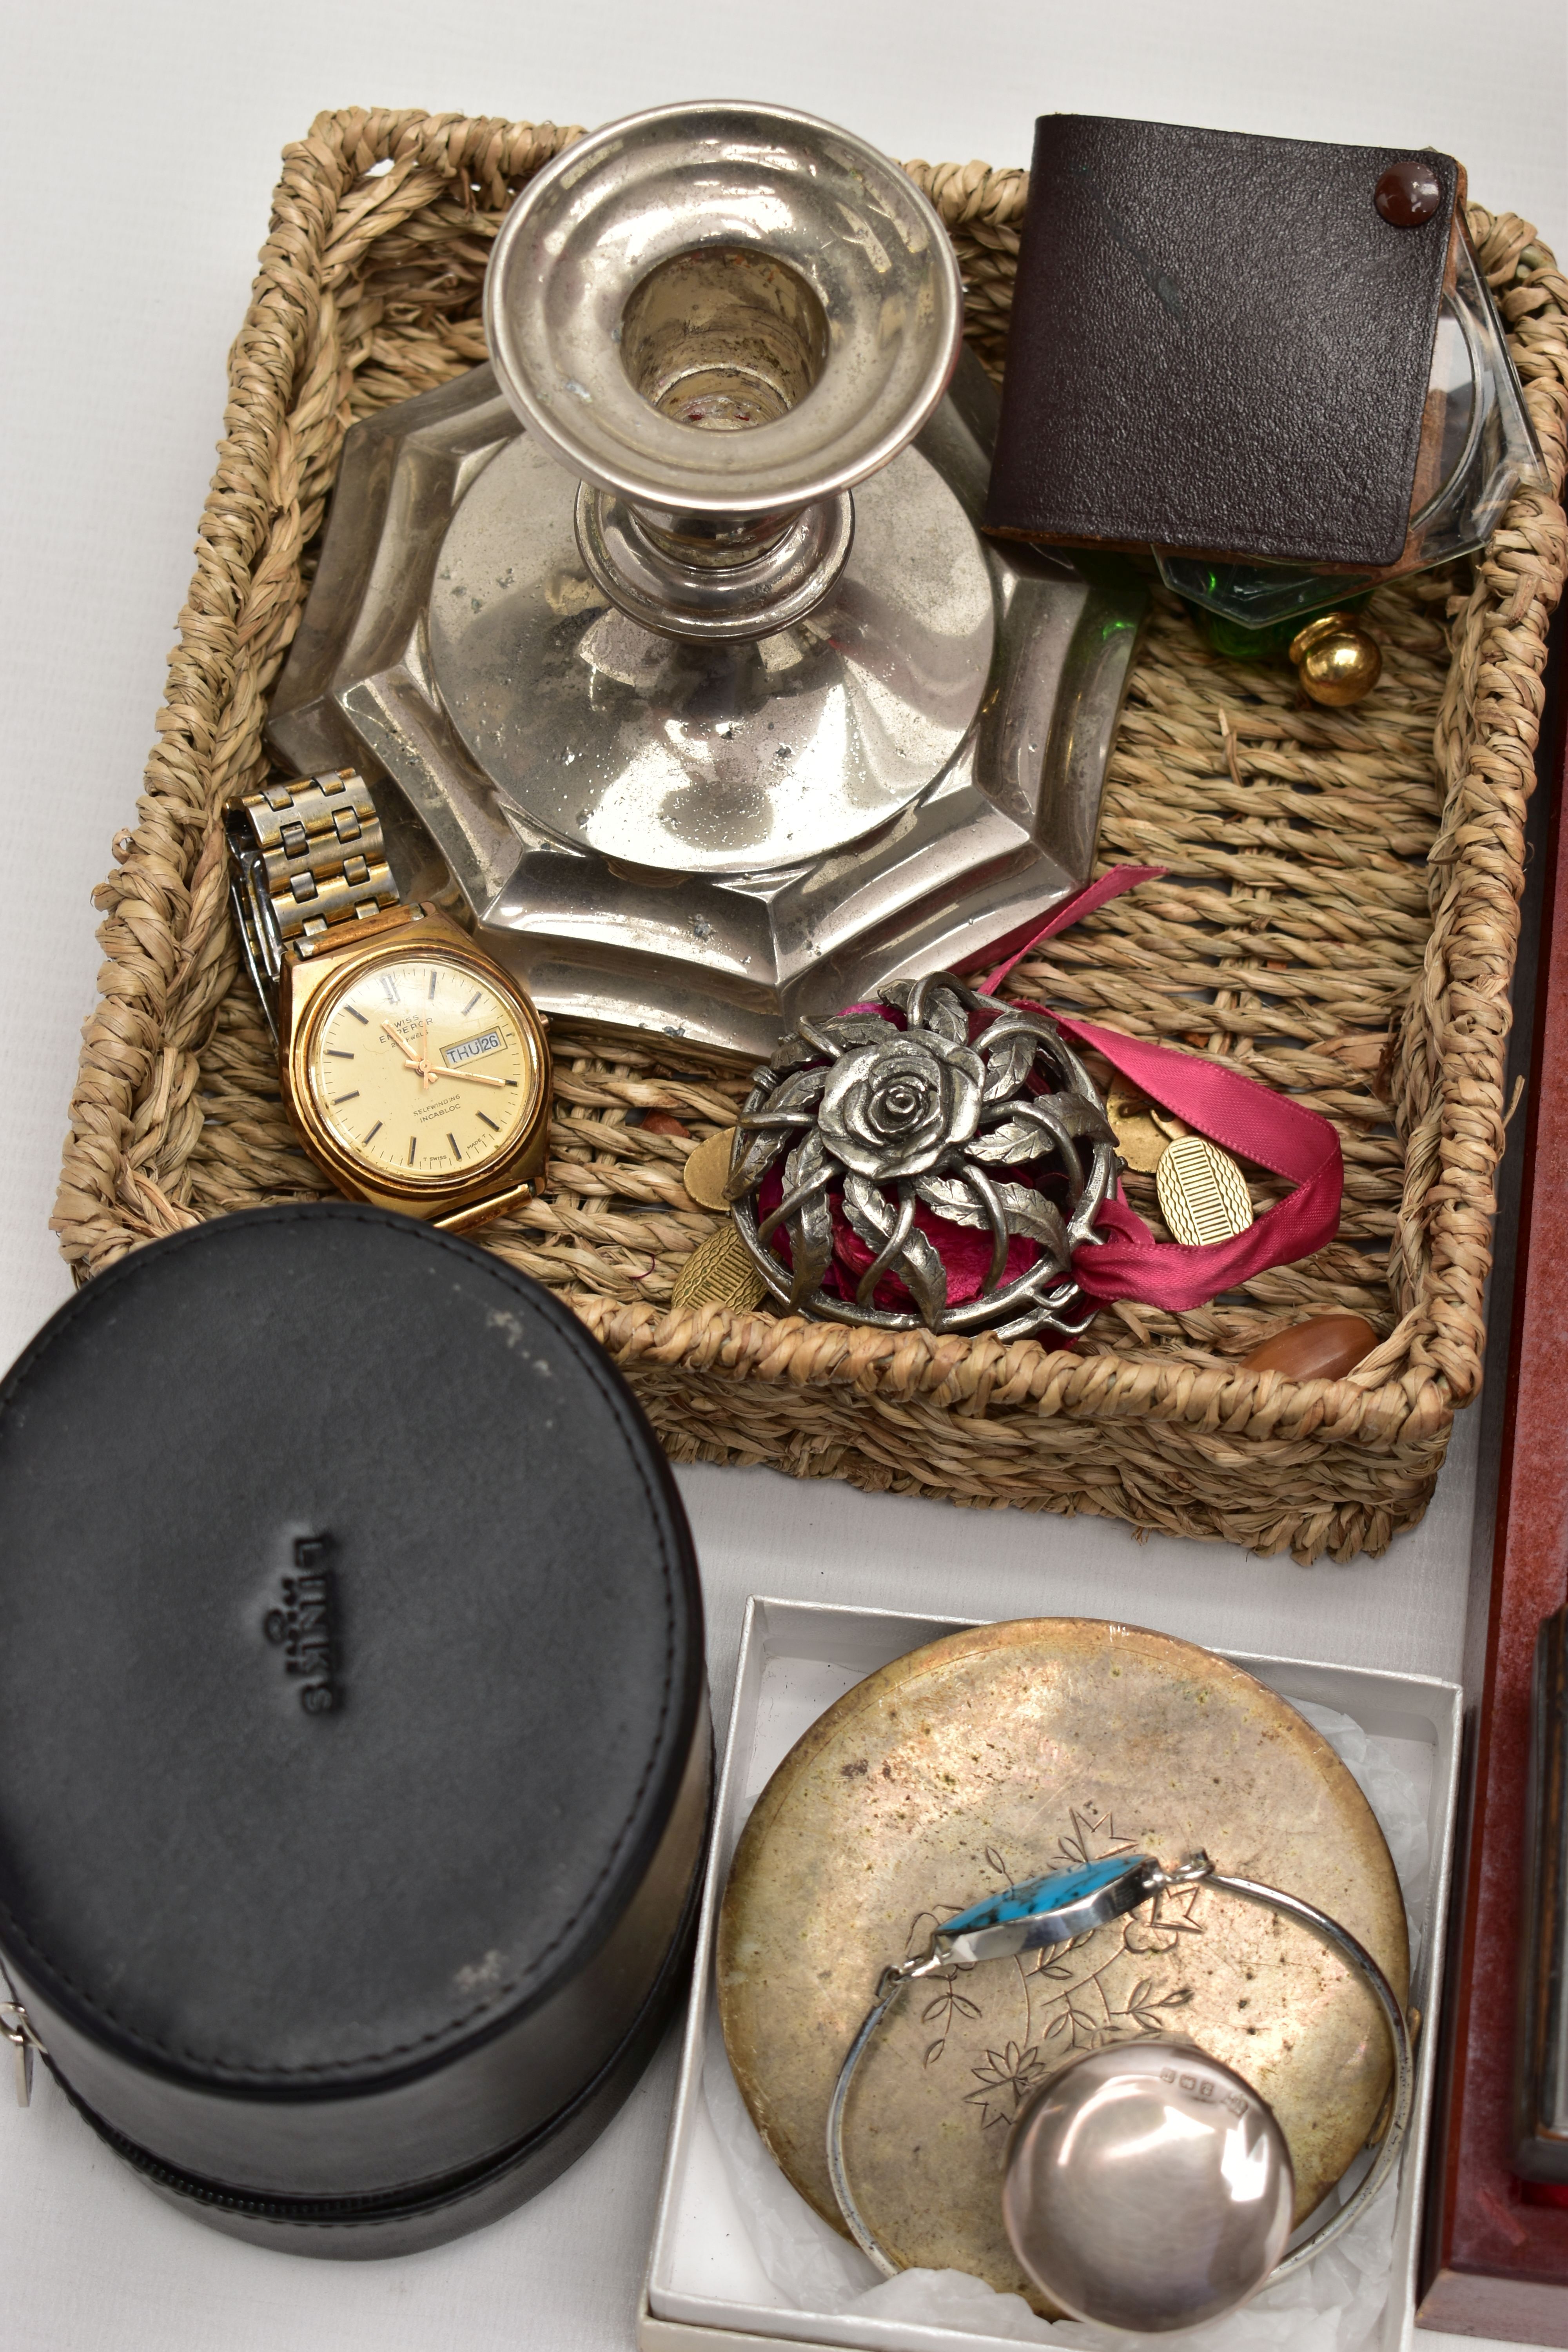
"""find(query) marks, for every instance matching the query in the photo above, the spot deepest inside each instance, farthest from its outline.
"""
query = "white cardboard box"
(704, 2291)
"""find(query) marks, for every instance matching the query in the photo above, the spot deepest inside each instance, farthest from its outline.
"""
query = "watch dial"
(420, 1070)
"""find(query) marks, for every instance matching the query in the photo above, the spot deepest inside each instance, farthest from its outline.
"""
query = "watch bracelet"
(305, 856)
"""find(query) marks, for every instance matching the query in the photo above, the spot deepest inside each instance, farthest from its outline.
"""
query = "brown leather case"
(1219, 345)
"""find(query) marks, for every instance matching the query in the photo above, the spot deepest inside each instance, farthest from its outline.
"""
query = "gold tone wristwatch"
(415, 1072)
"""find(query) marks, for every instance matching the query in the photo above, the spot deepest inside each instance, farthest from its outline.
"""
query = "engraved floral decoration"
(942, 1155)
(1116, 1984)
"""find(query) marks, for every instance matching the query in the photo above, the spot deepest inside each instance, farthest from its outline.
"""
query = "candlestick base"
(707, 838)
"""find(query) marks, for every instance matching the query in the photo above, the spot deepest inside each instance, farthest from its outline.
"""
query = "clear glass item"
(1478, 449)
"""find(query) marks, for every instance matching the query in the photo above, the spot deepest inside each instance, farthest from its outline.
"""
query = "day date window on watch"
(470, 1049)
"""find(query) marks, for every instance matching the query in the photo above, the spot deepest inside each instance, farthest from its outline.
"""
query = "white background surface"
(141, 149)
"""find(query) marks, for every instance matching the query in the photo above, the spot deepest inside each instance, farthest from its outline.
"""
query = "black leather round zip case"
(353, 1738)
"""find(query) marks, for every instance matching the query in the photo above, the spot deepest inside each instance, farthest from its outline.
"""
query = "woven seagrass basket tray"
(1339, 919)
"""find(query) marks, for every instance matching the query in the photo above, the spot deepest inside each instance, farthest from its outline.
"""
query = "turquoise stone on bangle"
(1038, 1898)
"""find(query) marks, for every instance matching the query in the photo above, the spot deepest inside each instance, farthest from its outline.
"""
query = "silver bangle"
(1051, 1910)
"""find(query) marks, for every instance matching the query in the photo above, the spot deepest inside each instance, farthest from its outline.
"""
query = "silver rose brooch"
(937, 1174)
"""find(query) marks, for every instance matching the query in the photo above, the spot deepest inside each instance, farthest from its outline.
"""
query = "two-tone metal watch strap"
(306, 856)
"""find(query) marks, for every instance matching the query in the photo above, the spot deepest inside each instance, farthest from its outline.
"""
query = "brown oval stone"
(664, 1122)
(1408, 193)
(1325, 1347)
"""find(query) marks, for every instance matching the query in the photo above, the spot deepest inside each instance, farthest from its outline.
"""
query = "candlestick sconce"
(672, 625)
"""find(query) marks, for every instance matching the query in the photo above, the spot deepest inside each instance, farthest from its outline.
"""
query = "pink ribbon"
(1247, 1118)
(1087, 901)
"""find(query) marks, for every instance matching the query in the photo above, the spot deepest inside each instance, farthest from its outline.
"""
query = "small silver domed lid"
(1148, 2188)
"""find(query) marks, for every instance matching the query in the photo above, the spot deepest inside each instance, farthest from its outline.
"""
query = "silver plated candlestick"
(672, 625)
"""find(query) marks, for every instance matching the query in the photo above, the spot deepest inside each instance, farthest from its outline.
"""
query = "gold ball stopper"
(1338, 661)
